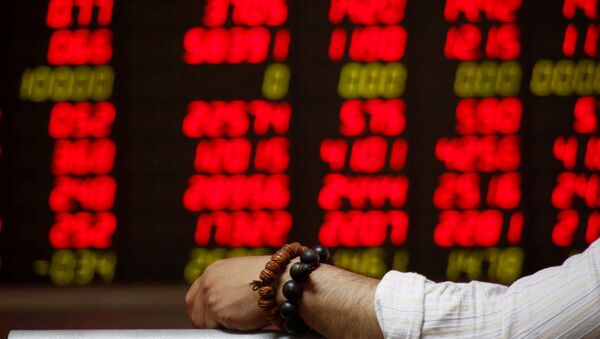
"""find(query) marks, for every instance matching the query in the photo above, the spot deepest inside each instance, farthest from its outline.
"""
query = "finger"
(192, 294)
(197, 314)
(210, 321)
(192, 291)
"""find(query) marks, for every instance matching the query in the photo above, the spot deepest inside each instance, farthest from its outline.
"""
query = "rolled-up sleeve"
(399, 304)
(562, 301)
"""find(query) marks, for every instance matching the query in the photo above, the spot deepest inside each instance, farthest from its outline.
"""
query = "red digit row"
(237, 229)
(462, 190)
(567, 223)
(233, 156)
(385, 117)
(474, 10)
(60, 12)
(240, 192)
(367, 155)
(81, 46)
(233, 45)
(368, 44)
(487, 153)
(83, 230)
(367, 12)
(566, 148)
(83, 156)
(358, 228)
(233, 119)
(488, 116)
(476, 228)
(570, 185)
(464, 42)
(81, 120)
(245, 13)
(94, 194)
(363, 191)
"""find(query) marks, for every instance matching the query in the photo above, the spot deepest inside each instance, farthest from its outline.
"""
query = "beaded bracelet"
(269, 276)
(292, 289)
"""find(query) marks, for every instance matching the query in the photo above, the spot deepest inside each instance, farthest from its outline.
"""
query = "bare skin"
(336, 303)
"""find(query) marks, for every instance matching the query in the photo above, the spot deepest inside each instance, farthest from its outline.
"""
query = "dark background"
(154, 159)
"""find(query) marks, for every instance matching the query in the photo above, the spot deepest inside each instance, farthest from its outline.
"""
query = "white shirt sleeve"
(557, 302)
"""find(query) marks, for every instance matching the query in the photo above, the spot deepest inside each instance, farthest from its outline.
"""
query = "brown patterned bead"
(304, 248)
(282, 259)
(292, 249)
(296, 246)
(266, 304)
(266, 292)
(268, 276)
(274, 266)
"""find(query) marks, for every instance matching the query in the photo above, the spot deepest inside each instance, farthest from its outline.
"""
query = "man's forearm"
(338, 303)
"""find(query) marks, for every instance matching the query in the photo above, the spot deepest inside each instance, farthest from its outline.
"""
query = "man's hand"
(336, 303)
(222, 295)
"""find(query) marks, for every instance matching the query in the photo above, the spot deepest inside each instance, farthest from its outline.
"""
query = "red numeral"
(223, 156)
(585, 115)
(368, 154)
(239, 192)
(95, 194)
(494, 10)
(219, 45)
(83, 230)
(81, 120)
(237, 229)
(488, 116)
(60, 12)
(82, 157)
(80, 47)
(589, 7)
(564, 230)
(468, 228)
(457, 190)
(367, 12)
(357, 228)
(360, 191)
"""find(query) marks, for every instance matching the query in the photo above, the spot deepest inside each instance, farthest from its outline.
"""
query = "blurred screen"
(143, 140)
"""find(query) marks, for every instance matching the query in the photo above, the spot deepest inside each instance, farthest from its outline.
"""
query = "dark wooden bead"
(268, 276)
(295, 325)
(292, 290)
(300, 271)
(266, 304)
(323, 253)
(266, 292)
(288, 309)
(310, 257)
(274, 267)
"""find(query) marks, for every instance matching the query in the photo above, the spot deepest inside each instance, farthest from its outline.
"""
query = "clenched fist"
(223, 298)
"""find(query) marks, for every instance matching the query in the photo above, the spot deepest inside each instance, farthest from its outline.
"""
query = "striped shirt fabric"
(557, 302)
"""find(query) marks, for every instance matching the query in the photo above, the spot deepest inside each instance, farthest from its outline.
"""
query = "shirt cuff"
(399, 304)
